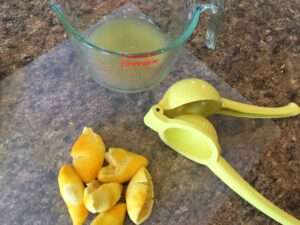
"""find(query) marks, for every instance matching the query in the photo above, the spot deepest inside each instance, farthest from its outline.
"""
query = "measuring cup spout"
(230, 177)
(233, 108)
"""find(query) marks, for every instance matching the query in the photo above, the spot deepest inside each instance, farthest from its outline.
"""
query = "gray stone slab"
(44, 107)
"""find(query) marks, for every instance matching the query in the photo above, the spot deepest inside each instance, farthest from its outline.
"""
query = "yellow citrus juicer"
(195, 96)
(194, 137)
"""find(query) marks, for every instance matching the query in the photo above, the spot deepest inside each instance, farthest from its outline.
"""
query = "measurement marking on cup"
(132, 64)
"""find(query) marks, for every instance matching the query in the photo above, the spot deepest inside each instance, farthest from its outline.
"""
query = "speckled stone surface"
(44, 107)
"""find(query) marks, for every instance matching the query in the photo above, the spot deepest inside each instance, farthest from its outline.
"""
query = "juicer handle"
(214, 23)
(238, 109)
(230, 177)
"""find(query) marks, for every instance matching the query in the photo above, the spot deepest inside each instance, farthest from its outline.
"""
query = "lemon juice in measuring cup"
(127, 71)
(130, 46)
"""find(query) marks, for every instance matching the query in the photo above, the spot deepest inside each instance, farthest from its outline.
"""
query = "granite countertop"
(258, 54)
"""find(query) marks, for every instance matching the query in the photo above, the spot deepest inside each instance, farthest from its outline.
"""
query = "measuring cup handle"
(216, 10)
(230, 177)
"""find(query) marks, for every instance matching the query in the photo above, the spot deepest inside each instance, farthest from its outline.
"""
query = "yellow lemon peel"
(122, 165)
(115, 216)
(88, 154)
(139, 196)
(71, 189)
(100, 198)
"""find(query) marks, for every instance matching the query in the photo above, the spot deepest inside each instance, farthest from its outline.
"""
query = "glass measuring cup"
(132, 48)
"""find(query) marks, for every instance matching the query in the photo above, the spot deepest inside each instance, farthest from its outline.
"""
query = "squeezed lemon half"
(139, 196)
(122, 165)
(100, 198)
(88, 154)
(114, 216)
(71, 189)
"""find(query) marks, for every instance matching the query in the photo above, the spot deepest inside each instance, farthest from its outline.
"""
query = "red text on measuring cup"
(136, 62)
